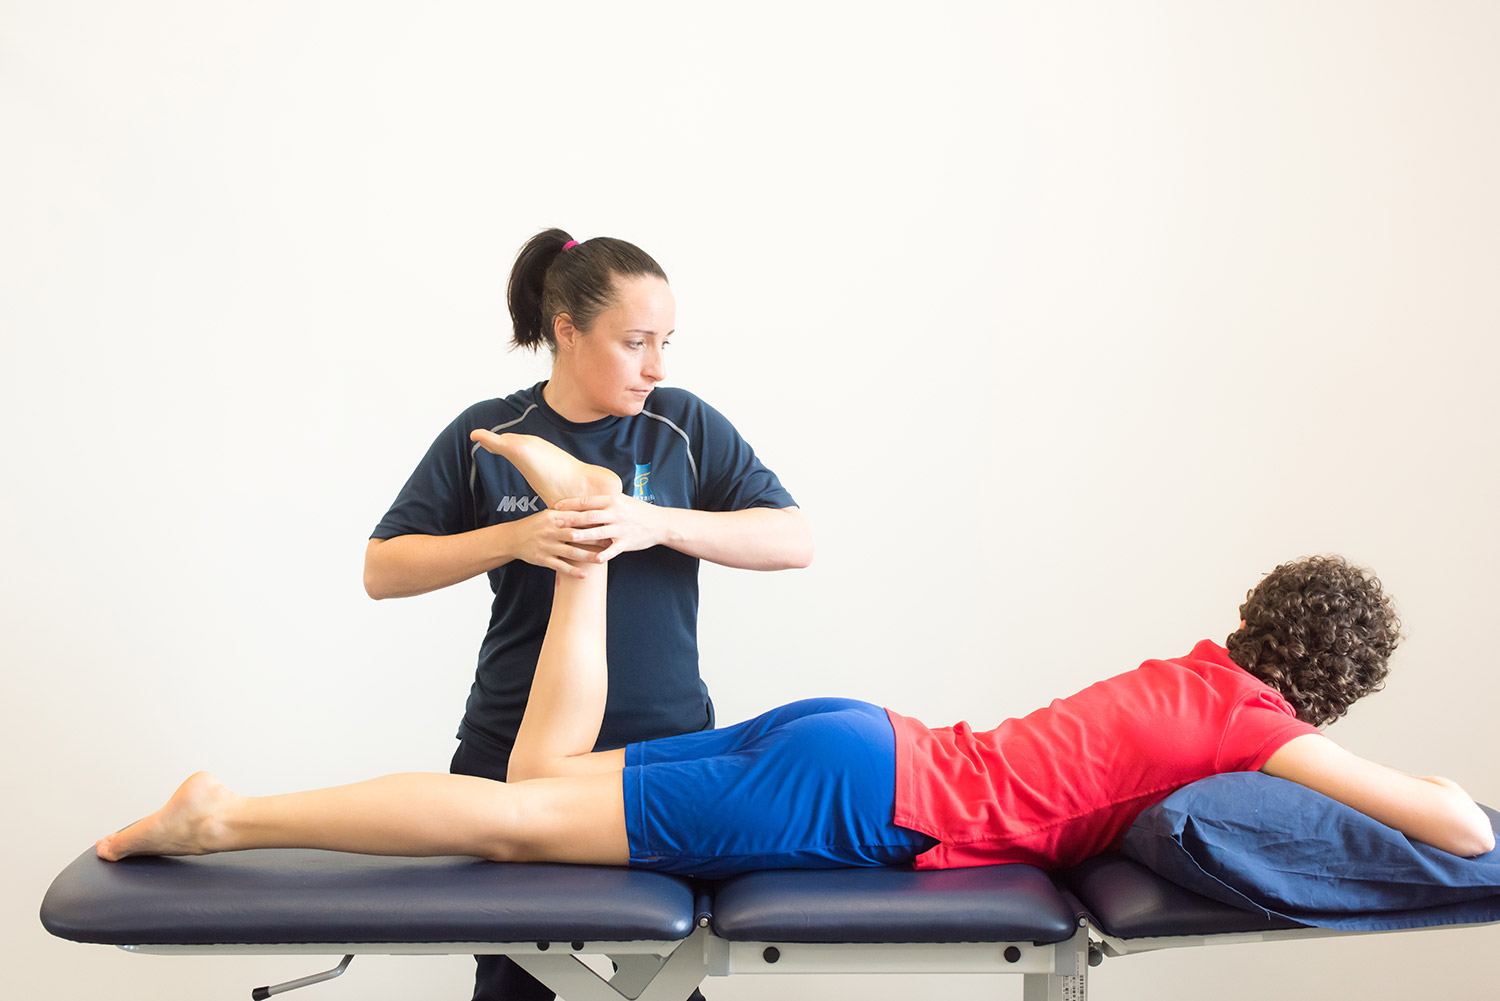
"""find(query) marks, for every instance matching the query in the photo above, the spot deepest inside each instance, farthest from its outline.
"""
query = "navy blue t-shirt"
(678, 452)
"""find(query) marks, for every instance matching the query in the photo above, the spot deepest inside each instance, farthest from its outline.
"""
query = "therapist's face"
(611, 369)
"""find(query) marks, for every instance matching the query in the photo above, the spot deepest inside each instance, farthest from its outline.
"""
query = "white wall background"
(1064, 322)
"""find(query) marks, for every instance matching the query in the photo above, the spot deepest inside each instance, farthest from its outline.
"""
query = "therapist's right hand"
(545, 539)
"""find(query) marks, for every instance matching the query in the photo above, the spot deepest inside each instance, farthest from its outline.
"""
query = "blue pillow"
(1269, 845)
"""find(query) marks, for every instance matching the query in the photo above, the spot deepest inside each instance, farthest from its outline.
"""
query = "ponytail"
(527, 282)
(554, 274)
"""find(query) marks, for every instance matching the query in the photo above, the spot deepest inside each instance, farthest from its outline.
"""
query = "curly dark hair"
(1318, 630)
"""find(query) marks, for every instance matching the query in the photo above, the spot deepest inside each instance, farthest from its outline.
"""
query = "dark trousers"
(498, 978)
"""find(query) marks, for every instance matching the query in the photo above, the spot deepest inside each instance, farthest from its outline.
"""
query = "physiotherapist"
(695, 490)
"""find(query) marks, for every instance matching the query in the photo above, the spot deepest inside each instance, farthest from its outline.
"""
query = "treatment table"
(663, 934)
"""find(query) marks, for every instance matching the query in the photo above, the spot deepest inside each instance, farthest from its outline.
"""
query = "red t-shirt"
(1062, 784)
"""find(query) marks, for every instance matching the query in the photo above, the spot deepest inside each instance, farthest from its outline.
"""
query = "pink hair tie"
(570, 244)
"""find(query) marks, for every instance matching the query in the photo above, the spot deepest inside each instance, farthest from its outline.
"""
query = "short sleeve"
(732, 477)
(1257, 729)
(436, 499)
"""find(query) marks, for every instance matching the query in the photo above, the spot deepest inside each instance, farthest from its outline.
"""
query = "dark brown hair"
(1318, 630)
(580, 281)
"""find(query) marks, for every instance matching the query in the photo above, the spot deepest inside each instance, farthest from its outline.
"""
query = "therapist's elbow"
(374, 590)
(377, 581)
(800, 557)
(374, 587)
(798, 552)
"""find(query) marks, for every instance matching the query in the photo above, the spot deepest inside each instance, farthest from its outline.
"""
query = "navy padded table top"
(1001, 903)
(1127, 900)
(277, 897)
(281, 896)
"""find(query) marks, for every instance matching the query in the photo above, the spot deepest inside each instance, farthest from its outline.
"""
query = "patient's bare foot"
(553, 474)
(190, 824)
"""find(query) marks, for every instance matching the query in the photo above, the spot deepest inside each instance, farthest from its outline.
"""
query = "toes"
(486, 439)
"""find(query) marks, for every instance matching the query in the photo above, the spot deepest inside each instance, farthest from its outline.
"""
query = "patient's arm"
(1432, 810)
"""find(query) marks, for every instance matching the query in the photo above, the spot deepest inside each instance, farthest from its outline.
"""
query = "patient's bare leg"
(579, 817)
(557, 820)
(566, 705)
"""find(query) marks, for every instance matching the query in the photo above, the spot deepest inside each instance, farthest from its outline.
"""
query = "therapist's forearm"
(416, 564)
(759, 538)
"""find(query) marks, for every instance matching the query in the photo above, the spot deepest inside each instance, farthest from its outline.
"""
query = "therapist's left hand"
(625, 523)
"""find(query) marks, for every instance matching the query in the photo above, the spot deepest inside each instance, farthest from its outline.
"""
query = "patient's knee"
(506, 831)
(523, 769)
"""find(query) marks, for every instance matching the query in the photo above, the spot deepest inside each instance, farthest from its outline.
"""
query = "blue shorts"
(810, 785)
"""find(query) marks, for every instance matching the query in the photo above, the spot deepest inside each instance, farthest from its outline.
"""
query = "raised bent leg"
(565, 707)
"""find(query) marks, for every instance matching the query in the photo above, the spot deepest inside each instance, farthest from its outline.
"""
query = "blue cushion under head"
(1269, 845)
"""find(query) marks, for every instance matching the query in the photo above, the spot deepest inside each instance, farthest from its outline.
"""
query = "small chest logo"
(524, 504)
(643, 483)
